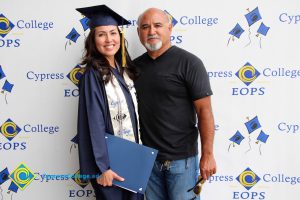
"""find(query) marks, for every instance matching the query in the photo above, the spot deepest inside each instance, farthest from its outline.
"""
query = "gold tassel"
(123, 47)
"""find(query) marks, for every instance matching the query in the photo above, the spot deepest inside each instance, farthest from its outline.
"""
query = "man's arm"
(206, 128)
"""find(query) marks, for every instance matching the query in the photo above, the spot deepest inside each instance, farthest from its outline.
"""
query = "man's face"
(154, 30)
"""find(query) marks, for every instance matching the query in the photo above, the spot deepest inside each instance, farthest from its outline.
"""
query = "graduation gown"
(93, 123)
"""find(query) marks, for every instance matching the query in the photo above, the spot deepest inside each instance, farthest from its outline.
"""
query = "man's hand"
(207, 166)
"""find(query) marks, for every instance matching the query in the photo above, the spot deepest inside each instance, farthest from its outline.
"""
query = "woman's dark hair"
(92, 58)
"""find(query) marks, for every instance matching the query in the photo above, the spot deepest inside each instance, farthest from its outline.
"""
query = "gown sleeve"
(93, 155)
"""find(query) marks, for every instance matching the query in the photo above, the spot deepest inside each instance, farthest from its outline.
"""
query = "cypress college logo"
(5, 26)
(247, 74)
(74, 76)
(20, 178)
(10, 129)
(248, 178)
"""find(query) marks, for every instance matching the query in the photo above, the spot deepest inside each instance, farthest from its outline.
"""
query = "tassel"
(123, 47)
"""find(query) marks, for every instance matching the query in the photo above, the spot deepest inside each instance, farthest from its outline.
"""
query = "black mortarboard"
(102, 15)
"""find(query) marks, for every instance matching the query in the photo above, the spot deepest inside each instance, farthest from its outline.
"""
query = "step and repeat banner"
(251, 52)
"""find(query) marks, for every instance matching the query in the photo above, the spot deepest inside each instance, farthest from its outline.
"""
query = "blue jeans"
(171, 180)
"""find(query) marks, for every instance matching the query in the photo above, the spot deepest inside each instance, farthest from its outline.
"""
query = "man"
(172, 88)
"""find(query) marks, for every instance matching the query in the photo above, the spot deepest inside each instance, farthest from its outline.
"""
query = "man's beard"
(153, 47)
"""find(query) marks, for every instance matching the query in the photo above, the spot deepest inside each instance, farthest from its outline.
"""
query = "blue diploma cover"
(132, 161)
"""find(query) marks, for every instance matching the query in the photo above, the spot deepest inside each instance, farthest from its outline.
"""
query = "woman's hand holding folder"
(107, 178)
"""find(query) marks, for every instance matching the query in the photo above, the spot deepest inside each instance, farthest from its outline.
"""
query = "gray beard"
(153, 47)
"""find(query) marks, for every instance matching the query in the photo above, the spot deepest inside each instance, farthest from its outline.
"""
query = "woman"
(107, 100)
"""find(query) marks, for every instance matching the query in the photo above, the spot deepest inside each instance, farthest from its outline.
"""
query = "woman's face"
(107, 39)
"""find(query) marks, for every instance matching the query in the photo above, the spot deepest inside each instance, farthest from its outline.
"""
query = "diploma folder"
(132, 161)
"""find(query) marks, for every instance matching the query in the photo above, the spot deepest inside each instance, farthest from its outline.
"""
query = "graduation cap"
(235, 32)
(74, 141)
(84, 23)
(263, 138)
(13, 187)
(237, 138)
(72, 36)
(252, 125)
(4, 176)
(7, 86)
(102, 15)
(2, 74)
(253, 16)
(262, 30)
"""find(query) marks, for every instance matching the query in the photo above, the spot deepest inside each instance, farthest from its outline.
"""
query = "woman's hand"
(107, 178)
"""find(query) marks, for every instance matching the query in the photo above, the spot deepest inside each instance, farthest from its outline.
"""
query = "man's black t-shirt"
(166, 89)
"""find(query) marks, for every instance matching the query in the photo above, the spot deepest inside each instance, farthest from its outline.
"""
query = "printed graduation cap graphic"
(251, 126)
(4, 176)
(75, 74)
(81, 182)
(252, 17)
(172, 19)
(13, 187)
(236, 32)
(237, 138)
(74, 141)
(84, 23)
(9, 129)
(72, 36)
(2, 74)
(262, 30)
(262, 137)
(7, 87)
